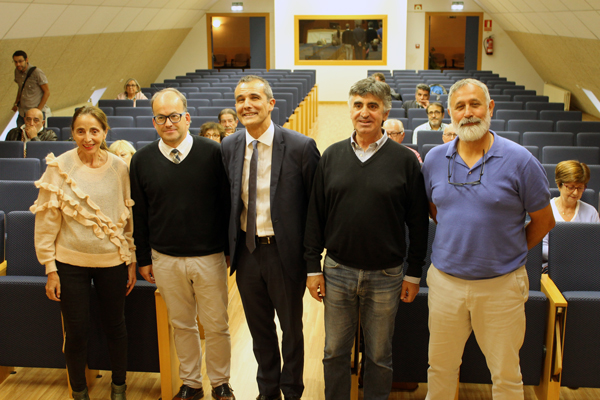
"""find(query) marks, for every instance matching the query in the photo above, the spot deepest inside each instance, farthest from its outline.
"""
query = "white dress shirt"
(184, 148)
(264, 225)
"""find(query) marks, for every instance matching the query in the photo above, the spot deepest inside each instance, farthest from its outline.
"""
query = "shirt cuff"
(412, 279)
(314, 274)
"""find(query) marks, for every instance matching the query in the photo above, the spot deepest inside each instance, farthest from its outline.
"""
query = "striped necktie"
(175, 156)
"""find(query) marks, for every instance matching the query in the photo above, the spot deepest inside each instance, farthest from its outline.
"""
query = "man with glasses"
(480, 188)
(435, 114)
(33, 129)
(449, 133)
(395, 130)
(181, 211)
(367, 191)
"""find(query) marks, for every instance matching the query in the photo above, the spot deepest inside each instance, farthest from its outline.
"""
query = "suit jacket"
(294, 161)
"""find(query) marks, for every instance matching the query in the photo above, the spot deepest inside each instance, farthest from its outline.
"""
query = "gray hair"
(250, 78)
(394, 121)
(465, 82)
(422, 86)
(381, 90)
(169, 90)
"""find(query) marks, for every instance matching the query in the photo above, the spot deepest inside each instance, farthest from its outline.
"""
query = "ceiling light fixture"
(457, 6)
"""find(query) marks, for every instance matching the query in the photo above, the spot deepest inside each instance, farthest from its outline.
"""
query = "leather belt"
(265, 239)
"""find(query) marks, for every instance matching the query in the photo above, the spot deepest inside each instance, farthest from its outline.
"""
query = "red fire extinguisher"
(488, 44)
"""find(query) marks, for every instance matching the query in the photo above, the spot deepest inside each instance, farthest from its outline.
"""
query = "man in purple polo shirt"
(480, 187)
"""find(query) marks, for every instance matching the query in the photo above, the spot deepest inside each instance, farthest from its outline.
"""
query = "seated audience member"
(212, 130)
(421, 98)
(571, 179)
(122, 149)
(435, 113)
(33, 129)
(229, 120)
(395, 130)
(378, 76)
(449, 133)
(132, 92)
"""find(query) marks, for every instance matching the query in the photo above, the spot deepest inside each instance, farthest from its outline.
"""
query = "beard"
(475, 132)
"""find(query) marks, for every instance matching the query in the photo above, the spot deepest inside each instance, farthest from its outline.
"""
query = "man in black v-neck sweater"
(365, 191)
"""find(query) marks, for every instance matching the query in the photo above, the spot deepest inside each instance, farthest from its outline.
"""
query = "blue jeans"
(374, 295)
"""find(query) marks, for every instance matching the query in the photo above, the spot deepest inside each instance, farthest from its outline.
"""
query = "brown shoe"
(223, 392)
(188, 393)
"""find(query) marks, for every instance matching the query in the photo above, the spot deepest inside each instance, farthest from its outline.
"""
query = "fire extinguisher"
(488, 44)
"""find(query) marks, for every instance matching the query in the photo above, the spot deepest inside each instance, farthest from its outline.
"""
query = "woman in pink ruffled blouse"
(83, 233)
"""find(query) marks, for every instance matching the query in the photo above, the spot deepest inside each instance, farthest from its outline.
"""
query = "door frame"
(452, 14)
(209, 18)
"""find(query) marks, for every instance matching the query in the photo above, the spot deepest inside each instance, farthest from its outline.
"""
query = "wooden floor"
(50, 384)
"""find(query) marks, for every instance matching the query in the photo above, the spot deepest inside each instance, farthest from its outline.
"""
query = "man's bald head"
(34, 117)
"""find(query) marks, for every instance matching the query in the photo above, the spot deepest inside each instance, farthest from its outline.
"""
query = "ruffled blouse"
(83, 215)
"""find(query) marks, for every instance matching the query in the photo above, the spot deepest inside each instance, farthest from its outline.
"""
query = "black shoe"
(292, 398)
(223, 392)
(263, 397)
(188, 393)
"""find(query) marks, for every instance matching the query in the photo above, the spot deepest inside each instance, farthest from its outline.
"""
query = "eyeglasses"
(131, 85)
(436, 112)
(451, 135)
(572, 188)
(174, 118)
(394, 133)
(453, 160)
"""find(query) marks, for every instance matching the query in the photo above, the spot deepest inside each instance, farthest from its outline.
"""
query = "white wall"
(507, 60)
(335, 81)
(192, 53)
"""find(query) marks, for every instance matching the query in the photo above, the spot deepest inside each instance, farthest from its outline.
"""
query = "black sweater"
(358, 211)
(181, 210)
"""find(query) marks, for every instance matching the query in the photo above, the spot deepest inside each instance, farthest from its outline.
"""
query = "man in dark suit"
(270, 171)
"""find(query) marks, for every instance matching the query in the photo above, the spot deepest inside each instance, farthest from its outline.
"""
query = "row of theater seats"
(572, 266)
(545, 363)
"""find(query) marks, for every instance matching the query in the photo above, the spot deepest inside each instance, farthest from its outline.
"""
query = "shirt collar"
(375, 145)
(266, 138)
(184, 147)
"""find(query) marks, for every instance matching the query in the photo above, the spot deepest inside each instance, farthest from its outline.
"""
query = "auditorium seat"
(426, 148)
(121, 122)
(588, 139)
(19, 169)
(224, 103)
(40, 150)
(542, 139)
(206, 95)
(578, 126)
(197, 122)
(554, 115)
(108, 110)
(516, 92)
(428, 137)
(396, 103)
(141, 144)
(499, 97)
(12, 149)
(33, 337)
(216, 89)
(143, 103)
(507, 115)
(420, 121)
(556, 154)
(195, 103)
(535, 151)
(529, 126)
(506, 105)
(527, 98)
(542, 105)
(133, 134)
(510, 135)
(61, 122)
(574, 269)
(497, 125)
(208, 111)
(111, 103)
(132, 111)
(195, 84)
(396, 113)
(17, 196)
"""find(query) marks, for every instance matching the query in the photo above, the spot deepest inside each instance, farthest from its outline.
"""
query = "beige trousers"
(194, 286)
(495, 310)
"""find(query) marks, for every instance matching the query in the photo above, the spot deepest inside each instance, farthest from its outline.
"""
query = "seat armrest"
(549, 387)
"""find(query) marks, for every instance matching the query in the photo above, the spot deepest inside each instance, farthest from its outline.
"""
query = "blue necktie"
(251, 217)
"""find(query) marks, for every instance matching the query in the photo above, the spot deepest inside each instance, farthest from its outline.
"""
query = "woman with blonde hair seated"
(132, 91)
(571, 179)
(122, 149)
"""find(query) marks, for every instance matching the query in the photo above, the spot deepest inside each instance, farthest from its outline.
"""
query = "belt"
(265, 239)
